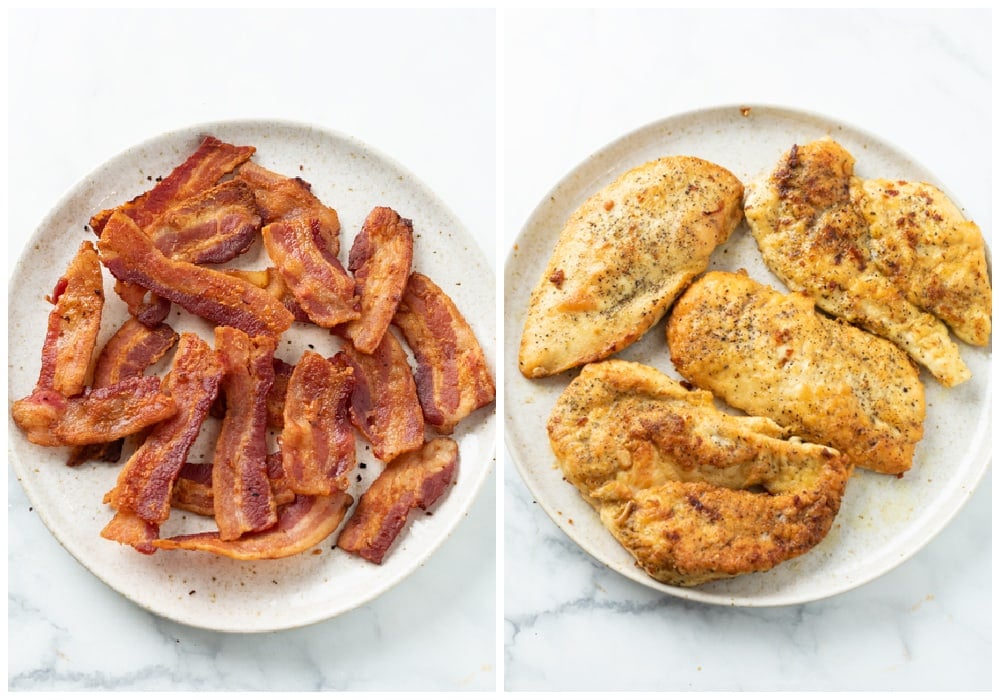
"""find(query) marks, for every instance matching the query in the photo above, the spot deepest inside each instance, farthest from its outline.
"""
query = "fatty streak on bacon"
(302, 524)
(384, 403)
(211, 161)
(243, 498)
(281, 198)
(145, 483)
(452, 376)
(414, 480)
(317, 280)
(128, 353)
(193, 489)
(317, 441)
(380, 259)
(213, 226)
(223, 299)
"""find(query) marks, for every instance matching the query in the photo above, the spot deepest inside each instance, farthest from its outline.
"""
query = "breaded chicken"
(695, 494)
(623, 257)
(772, 355)
(921, 241)
(814, 238)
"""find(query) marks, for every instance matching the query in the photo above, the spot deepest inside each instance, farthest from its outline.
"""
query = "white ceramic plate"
(883, 520)
(197, 588)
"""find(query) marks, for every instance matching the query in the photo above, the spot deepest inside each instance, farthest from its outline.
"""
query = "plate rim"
(982, 458)
(489, 444)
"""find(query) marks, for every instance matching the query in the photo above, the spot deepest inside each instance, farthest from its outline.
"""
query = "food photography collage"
(484, 350)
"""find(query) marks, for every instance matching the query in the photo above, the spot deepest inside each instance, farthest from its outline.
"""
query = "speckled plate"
(883, 520)
(201, 589)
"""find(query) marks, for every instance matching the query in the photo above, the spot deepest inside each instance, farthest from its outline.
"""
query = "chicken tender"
(921, 241)
(770, 354)
(695, 494)
(623, 257)
(816, 240)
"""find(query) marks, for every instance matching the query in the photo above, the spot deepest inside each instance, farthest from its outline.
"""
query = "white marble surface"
(417, 86)
(574, 81)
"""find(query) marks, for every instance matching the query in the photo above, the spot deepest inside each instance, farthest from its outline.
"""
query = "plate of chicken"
(749, 351)
(260, 391)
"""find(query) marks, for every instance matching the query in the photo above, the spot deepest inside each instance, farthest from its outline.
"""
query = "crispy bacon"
(281, 198)
(271, 281)
(243, 498)
(302, 524)
(213, 226)
(317, 441)
(193, 488)
(384, 404)
(74, 323)
(109, 413)
(146, 481)
(414, 480)
(201, 170)
(223, 299)
(318, 281)
(128, 353)
(453, 379)
(380, 260)
(129, 528)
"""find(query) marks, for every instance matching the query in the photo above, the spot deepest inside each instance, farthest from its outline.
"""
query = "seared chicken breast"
(695, 494)
(816, 240)
(772, 355)
(623, 257)
(921, 241)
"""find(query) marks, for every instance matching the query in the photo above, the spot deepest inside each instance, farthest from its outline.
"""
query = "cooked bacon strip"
(193, 488)
(380, 259)
(453, 379)
(130, 255)
(318, 282)
(414, 480)
(128, 353)
(74, 323)
(271, 281)
(281, 198)
(317, 441)
(302, 524)
(243, 498)
(213, 226)
(201, 170)
(384, 404)
(49, 418)
(146, 481)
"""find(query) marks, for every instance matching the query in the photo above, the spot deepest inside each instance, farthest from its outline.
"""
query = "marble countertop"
(575, 81)
(84, 86)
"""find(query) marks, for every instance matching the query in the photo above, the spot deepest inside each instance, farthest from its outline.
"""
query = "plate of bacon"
(260, 391)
